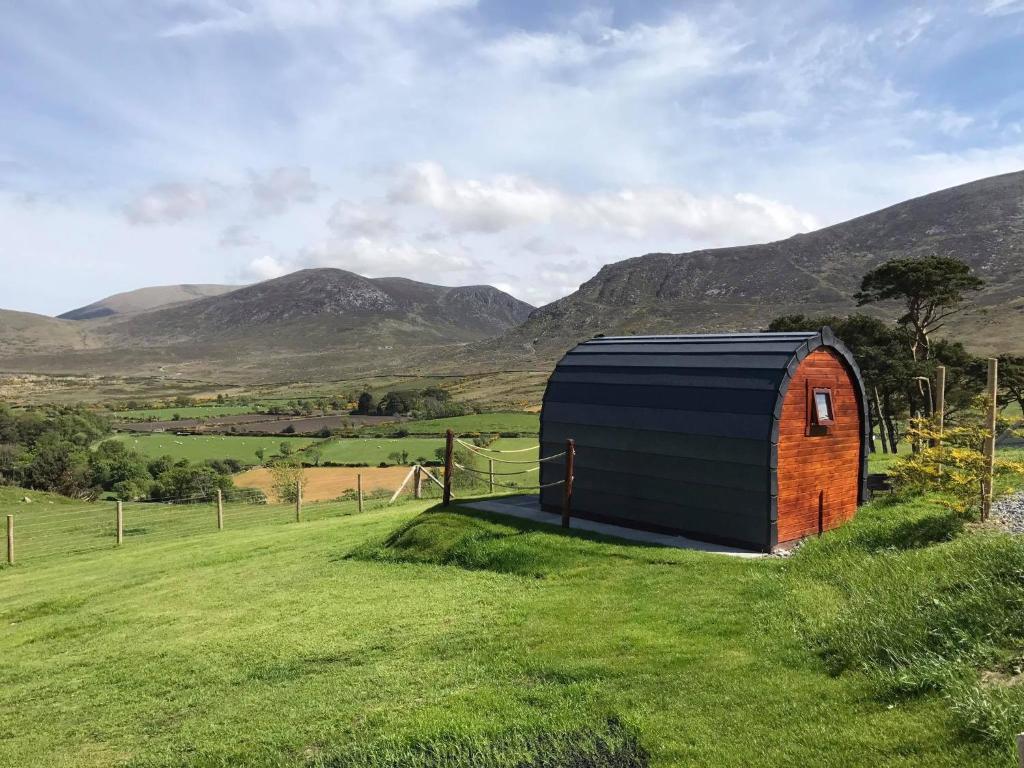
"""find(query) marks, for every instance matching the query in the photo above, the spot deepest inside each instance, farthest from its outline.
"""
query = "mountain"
(26, 333)
(742, 288)
(144, 299)
(315, 324)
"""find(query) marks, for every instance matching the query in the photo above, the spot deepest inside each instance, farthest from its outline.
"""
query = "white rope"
(495, 474)
(496, 450)
(480, 452)
(529, 487)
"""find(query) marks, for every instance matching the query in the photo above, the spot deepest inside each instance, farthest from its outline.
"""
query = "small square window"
(823, 413)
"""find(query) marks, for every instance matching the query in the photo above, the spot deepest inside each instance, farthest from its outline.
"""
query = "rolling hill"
(742, 288)
(328, 324)
(144, 299)
(312, 324)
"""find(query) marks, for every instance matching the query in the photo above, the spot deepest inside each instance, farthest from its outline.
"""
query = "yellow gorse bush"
(951, 461)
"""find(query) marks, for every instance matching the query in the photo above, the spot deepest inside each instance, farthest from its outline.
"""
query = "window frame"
(816, 419)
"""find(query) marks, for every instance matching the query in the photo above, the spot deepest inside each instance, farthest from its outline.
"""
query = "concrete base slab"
(528, 508)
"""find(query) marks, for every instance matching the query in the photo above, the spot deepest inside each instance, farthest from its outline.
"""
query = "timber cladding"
(750, 439)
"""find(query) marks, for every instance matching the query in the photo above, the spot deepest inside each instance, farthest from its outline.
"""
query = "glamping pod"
(751, 439)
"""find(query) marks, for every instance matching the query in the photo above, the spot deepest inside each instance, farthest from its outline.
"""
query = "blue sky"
(522, 144)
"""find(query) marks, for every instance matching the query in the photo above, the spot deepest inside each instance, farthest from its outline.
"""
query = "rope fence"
(450, 465)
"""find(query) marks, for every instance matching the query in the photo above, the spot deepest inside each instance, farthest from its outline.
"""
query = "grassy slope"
(201, 447)
(270, 646)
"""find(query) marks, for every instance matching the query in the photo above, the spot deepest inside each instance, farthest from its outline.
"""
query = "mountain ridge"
(145, 299)
(741, 288)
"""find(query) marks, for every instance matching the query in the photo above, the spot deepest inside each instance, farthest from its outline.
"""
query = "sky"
(522, 143)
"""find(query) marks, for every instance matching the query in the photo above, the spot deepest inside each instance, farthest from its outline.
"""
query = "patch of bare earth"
(326, 483)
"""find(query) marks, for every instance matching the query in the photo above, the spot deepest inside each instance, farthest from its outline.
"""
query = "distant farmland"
(508, 421)
(185, 412)
(373, 451)
(202, 447)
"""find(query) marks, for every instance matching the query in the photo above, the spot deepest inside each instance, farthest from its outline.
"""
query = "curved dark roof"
(654, 414)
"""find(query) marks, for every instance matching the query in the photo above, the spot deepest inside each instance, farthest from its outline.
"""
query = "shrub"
(287, 476)
(950, 462)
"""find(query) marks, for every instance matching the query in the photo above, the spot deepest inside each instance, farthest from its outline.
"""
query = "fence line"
(101, 526)
(567, 481)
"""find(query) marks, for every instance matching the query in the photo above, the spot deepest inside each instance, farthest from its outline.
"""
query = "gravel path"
(1009, 511)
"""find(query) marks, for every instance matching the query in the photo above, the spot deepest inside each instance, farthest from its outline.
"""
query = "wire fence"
(42, 532)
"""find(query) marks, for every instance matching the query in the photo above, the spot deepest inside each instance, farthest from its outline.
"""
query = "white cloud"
(267, 193)
(274, 191)
(171, 203)
(1002, 7)
(372, 257)
(265, 267)
(477, 206)
(357, 219)
(206, 17)
(505, 201)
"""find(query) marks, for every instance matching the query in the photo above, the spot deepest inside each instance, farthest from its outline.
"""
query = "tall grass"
(905, 597)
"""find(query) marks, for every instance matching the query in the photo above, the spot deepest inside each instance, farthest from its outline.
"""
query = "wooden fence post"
(10, 539)
(990, 439)
(940, 399)
(490, 475)
(417, 482)
(1020, 749)
(359, 491)
(120, 523)
(570, 468)
(220, 510)
(449, 461)
(298, 500)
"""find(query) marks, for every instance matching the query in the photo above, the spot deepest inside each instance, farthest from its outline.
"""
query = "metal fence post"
(10, 539)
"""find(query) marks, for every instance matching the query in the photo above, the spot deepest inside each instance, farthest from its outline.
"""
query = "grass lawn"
(881, 462)
(202, 447)
(509, 421)
(185, 412)
(374, 450)
(452, 639)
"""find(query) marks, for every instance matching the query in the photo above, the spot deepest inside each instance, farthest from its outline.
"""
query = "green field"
(467, 641)
(185, 412)
(372, 451)
(202, 447)
(509, 421)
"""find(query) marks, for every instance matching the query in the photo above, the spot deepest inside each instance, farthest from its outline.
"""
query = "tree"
(286, 449)
(365, 403)
(260, 453)
(1011, 378)
(185, 481)
(114, 467)
(59, 465)
(931, 289)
